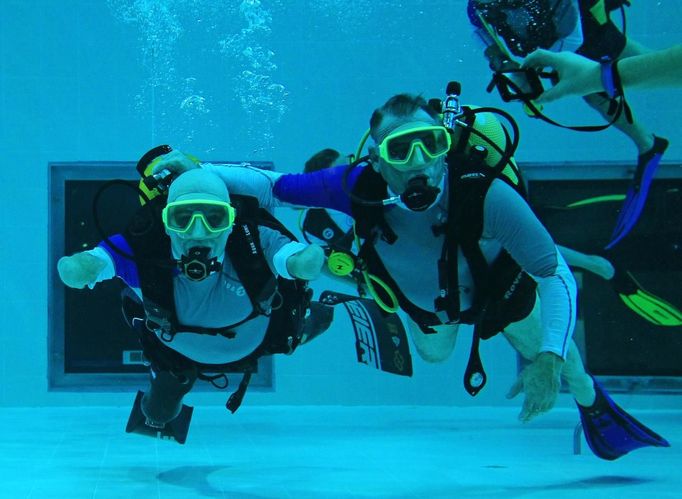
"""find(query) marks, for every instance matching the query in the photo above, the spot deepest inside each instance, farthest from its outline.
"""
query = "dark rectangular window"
(581, 214)
(91, 346)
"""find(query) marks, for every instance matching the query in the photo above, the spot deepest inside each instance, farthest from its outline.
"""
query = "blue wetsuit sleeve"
(124, 268)
(321, 189)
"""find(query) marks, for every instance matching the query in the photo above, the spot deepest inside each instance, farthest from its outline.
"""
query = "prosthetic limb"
(160, 412)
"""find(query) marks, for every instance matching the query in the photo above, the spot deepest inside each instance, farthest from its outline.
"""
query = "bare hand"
(175, 161)
(541, 381)
(577, 75)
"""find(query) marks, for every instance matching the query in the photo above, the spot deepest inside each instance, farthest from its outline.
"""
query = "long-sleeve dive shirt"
(508, 223)
(217, 301)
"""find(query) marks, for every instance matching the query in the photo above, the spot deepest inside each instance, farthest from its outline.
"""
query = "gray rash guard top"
(508, 224)
(218, 301)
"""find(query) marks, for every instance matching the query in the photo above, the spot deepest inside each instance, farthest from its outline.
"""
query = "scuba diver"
(515, 28)
(214, 283)
(445, 235)
(334, 232)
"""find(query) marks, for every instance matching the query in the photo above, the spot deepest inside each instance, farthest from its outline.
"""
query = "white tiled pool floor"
(326, 452)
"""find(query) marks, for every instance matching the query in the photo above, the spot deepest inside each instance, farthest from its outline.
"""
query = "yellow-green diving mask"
(217, 216)
(397, 148)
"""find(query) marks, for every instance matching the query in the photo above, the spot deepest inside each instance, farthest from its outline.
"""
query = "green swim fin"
(648, 306)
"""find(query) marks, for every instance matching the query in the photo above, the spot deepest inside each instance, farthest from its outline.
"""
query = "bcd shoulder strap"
(370, 219)
(151, 246)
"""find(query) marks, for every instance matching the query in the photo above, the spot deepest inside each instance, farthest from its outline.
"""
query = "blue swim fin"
(647, 164)
(611, 432)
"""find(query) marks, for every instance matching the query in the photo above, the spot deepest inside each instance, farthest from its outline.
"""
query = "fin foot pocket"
(611, 432)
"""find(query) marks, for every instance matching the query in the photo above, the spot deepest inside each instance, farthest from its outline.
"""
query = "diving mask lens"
(397, 148)
(217, 216)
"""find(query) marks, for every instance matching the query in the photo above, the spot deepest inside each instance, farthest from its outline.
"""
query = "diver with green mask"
(334, 232)
(214, 283)
(441, 220)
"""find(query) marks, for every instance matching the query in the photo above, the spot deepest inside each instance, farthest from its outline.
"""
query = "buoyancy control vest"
(285, 301)
(469, 178)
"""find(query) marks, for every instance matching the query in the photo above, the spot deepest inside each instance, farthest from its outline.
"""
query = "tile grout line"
(48, 462)
(101, 466)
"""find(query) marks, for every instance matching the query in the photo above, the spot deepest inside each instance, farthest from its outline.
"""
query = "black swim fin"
(380, 337)
(611, 432)
(176, 429)
(319, 320)
(647, 305)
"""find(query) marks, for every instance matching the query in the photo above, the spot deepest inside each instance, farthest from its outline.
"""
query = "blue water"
(270, 80)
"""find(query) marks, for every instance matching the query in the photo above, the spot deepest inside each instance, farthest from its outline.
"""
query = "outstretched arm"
(82, 269)
(509, 220)
(581, 76)
(323, 189)
(103, 262)
(546, 341)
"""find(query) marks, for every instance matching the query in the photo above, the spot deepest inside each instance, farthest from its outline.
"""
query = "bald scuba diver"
(214, 283)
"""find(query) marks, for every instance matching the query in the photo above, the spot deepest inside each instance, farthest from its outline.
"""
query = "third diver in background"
(528, 25)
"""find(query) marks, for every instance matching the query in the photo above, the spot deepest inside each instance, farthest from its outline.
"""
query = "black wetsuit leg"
(163, 401)
(601, 37)
(172, 376)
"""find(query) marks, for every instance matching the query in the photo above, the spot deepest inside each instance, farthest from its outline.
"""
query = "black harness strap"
(370, 259)
(244, 250)
(369, 220)
(151, 244)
